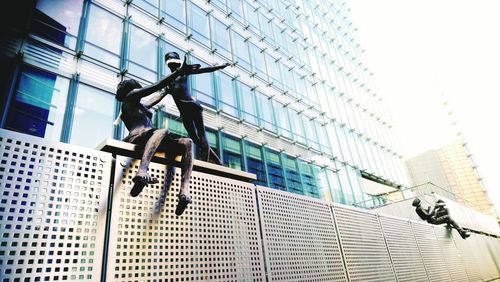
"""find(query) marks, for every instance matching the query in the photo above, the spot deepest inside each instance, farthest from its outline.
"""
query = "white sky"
(420, 49)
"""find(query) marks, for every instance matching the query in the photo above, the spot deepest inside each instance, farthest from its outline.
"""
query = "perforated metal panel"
(299, 238)
(430, 251)
(450, 251)
(216, 239)
(365, 252)
(404, 250)
(52, 209)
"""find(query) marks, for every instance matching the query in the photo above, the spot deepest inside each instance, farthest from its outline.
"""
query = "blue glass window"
(275, 170)
(172, 123)
(249, 105)
(297, 126)
(39, 104)
(310, 132)
(309, 172)
(58, 21)
(143, 52)
(293, 176)
(345, 185)
(273, 69)
(283, 120)
(150, 6)
(104, 36)
(255, 163)
(232, 153)
(221, 4)
(236, 9)
(258, 61)
(220, 38)
(251, 17)
(227, 95)
(266, 112)
(174, 13)
(94, 112)
(203, 85)
(266, 28)
(240, 51)
(198, 24)
(323, 138)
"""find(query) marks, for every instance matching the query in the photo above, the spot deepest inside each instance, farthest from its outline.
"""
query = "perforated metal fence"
(66, 215)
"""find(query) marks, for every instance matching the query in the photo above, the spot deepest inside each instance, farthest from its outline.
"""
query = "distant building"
(451, 167)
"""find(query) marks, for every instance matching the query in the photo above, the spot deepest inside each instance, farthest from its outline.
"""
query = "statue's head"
(173, 60)
(125, 87)
(416, 202)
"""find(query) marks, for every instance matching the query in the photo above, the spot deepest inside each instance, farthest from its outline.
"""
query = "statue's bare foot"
(140, 180)
(184, 200)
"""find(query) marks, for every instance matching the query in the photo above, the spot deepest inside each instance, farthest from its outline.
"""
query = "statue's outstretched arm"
(209, 69)
(156, 99)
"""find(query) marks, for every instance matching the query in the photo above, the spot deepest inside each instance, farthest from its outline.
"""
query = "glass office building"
(297, 107)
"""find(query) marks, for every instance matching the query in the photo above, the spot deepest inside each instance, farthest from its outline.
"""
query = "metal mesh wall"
(52, 218)
(403, 248)
(216, 239)
(431, 253)
(365, 252)
(452, 256)
(299, 238)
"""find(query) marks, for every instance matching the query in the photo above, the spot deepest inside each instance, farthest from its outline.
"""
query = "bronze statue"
(190, 109)
(437, 215)
(137, 119)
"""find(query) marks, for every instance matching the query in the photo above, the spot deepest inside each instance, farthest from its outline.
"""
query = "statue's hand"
(187, 68)
(226, 65)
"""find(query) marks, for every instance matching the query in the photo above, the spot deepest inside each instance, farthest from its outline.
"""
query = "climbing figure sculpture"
(137, 118)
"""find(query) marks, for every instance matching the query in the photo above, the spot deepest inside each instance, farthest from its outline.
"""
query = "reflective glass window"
(221, 4)
(227, 95)
(174, 13)
(275, 170)
(220, 38)
(172, 123)
(308, 173)
(203, 85)
(104, 36)
(232, 153)
(293, 175)
(283, 121)
(198, 24)
(266, 114)
(345, 185)
(251, 17)
(279, 34)
(297, 126)
(143, 52)
(248, 102)
(255, 162)
(236, 9)
(57, 21)
(39, 104)
(150, 6)
(94, 112)
(310, 132)
(273, 69)
(240, 51)
(266, 28)
(258, 61)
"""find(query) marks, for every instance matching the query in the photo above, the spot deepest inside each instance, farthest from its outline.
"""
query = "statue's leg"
(207, 152)
(461, 231)
(142, 177)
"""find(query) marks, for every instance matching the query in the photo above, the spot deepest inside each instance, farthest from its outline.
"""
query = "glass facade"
(296, 107)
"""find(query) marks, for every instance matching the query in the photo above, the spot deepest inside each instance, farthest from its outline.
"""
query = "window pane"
(151, 6)
(232, 153)
(297, 126)
(266, 112)
(275, 170)
(174, 12)
(293, 176)
(220, 38)
(240, 51)
(273, 69)
(255, 163)
(58, 21)
(143, 52)
(198, 24)
(94, 112)
(227, 95)
(309, 173)
(39, 104)
(282, 121)
(104, 36)
(252, 17)
(266, 29)
(236, 9)
(249, 110)
(258, 61)
(202, 85)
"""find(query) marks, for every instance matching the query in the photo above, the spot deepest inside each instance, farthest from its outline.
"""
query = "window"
(275, 170)
(255, 163)
(227, 95)
(258, 61)
(220, 38)
(198, 24)
(309, 172)
(203, 85)
(310, 132)
(39, 104)
(58, 21)
(345, 185)
(240, 51)
(104, 36)
(251, 16)
(273, 69)
(236, 10)
(143, 52)
(150, 6)
(174, 13)
(323, 139)
(249, 106)
(293, 175)
(266, 28)
(297, 126)
(283, 121)
(94, 112)
(266, 115)
(232, 153)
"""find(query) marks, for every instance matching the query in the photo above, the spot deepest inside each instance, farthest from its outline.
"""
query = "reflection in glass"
(275, 170)
(240, 51)
(39, 104)
(220, 38)
(150, 6)
(174, 13)
(232, 153)
(202, 85)
(198, 24)
(227, 95)
(104, 36)
(255, 163)
(249, 109)
(94, 113)
(293, 176)
(142, 60)
(266, 112)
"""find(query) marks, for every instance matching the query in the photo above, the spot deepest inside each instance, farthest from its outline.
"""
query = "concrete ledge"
(117, 147)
